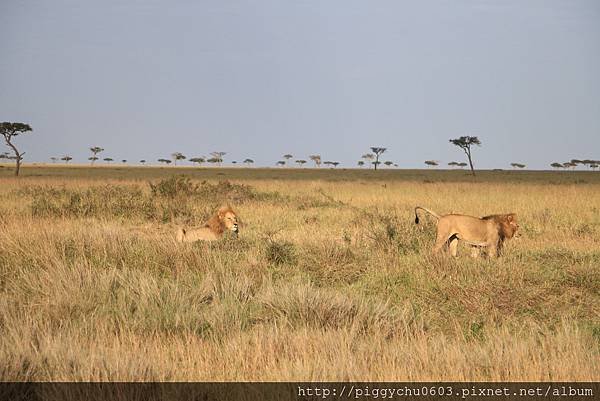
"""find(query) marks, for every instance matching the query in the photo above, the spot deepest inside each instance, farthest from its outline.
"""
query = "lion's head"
(507, 224)
(224, 219)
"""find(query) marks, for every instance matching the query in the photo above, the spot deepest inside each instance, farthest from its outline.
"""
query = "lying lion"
(224, 219)
(488, 232)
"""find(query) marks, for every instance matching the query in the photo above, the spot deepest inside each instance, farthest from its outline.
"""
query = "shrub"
(280, 252)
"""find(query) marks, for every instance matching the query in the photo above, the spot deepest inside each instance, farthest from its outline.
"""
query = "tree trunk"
(17, 155)
(376, 162)
(18, 166)
(468, 152)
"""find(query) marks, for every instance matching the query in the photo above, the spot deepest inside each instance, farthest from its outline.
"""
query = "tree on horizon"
(465, 143)
(378, 151)
(10, 131)
(198, 160)
(316, 159)
(95, 150)
(177, 156)
(217, 157)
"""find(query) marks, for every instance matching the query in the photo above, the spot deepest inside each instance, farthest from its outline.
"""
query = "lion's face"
(230, 220)
(510, 226)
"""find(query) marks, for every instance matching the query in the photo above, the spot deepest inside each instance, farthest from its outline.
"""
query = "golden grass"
(329, 280)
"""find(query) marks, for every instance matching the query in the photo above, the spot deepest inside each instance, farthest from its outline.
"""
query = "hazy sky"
(259, 79)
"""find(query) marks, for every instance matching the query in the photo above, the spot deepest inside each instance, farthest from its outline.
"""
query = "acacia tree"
(335, 164)
(556, 165)
(388, 163)
(316, 159)
(280, 163)
(66, 159)
(301, 162)
(217, 157)
(368, 157)
(517, 165)
(143, 162)
(198, 160)
(378, 152)
(589, 162)
(361, 163)
(287, 158)
(108, 159)
(54, 159)
(177, 156)
(9, 131)
(465, 143)
(248, 162)
(165, 161)
(95, 150)
(431, 163)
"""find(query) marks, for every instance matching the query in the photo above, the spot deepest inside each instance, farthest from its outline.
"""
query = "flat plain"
(329, 279)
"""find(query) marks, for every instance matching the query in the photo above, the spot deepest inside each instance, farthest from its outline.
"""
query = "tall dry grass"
(329, 280)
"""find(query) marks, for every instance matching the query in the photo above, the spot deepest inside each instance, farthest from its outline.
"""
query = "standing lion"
(225, 219)
(487, 232)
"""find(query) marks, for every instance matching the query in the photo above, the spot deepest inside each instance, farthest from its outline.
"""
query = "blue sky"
(259, 79)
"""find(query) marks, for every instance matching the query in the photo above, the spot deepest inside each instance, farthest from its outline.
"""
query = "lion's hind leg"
(453, 245)
(180, 235)
(444, 240)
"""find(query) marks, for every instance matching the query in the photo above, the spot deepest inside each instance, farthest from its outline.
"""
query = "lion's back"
(469, 228)
(199, 234)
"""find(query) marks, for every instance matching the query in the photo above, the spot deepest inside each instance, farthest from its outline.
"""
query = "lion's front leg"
(493, 250)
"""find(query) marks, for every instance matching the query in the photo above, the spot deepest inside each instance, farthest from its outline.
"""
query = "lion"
(224, 219)
(487, 232)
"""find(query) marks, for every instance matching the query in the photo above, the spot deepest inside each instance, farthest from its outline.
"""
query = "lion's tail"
(180, 235)
(434, 214)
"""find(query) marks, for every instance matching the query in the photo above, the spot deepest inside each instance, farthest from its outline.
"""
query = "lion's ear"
(511, 217)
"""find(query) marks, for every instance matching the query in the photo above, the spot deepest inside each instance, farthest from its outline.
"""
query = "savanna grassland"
(329, 279)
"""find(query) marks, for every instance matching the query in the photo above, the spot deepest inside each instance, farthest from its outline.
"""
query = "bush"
(281, 252)
(170, 199)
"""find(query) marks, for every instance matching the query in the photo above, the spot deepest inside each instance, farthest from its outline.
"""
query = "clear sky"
(261, 78)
